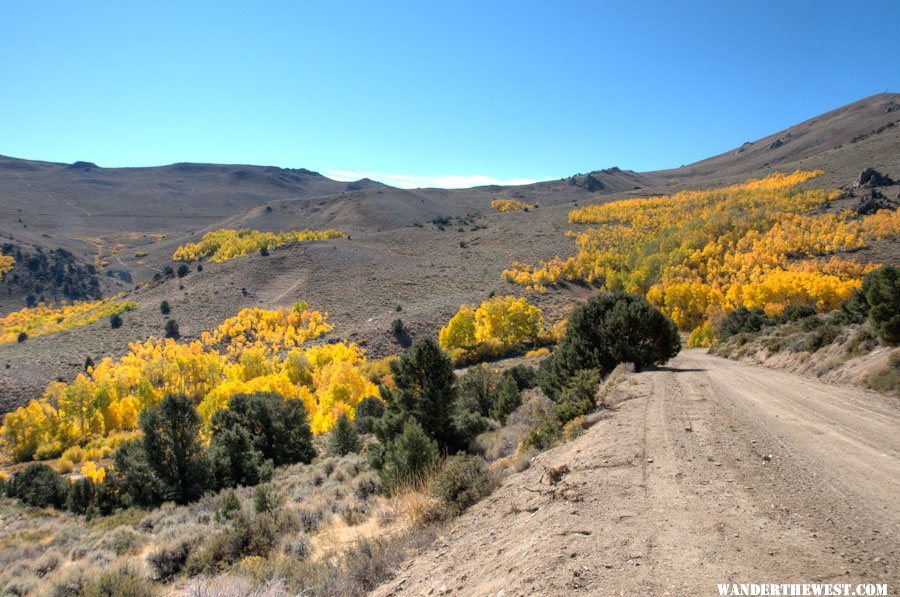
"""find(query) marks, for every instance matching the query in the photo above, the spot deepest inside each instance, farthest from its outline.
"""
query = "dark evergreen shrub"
(509, 398)
(478, 389)
(544, 435)
(795, 313)
(266, 499)
(40, 486)
(81, 496)
(609, 329)
(137, 481)
(881, 289)
(412, 454)
(172, 329)
(426, 392)
(525, 377)
(277, 426)
(234, 460)
(741, 320)
(577, 398)
(172, 448)
(344, 437)
(168, 559)
(368, 411)
(397, 327)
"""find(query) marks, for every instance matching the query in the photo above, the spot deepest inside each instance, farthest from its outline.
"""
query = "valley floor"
(709, 471)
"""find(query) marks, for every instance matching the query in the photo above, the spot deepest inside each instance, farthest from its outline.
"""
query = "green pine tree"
(410, 455)
(344, 438)
(509, 398)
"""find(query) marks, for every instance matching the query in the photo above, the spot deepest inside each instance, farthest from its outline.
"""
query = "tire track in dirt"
(707, 472)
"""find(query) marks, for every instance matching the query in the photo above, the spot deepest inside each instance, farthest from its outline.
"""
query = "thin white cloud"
(443, 181)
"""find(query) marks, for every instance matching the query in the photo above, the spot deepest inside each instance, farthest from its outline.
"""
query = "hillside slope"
(135, 218)
(708, 471)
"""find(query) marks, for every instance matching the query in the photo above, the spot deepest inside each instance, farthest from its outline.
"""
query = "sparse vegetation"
(461, 482)
(222, 245)
(505, 205)
(46, 319)
(887, 379)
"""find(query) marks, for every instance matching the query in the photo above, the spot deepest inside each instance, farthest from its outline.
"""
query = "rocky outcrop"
(873, 201)
(780, 141)
(871, 178)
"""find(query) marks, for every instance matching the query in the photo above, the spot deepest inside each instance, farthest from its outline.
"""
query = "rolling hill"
(424, 250)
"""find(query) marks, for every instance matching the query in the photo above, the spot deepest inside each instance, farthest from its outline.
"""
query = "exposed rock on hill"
(871, 178)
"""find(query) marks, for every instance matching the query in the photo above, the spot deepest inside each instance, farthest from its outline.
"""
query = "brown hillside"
(394, 255)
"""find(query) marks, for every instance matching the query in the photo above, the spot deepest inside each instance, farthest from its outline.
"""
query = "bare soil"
(708, 471)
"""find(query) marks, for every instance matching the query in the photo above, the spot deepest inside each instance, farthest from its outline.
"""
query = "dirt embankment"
(853, 358)
(711, 471)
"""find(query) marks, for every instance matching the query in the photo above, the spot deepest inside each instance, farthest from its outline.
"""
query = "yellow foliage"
(460, 330)
(558, 330)
(6, 263)
(379, 372)
(93, 472)
(27, 428)
(269, 331)
(508, 319)
(73, 454)
(704, 335)
(538, 352)
(222, 245)
(500, 324)
(340, 386)
(47, 319)
(697, 254)
(510, 205)
(258, 350)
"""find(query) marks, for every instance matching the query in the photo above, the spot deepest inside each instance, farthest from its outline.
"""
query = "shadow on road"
(678, 369)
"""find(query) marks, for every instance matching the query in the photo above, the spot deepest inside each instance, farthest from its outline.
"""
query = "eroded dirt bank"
(710, 471)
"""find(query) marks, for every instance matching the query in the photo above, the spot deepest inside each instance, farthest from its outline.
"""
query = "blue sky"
(428, 93)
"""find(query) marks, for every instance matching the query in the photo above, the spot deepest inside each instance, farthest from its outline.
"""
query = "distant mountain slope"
(73, 205)
(86, 209)
(870, 120)
(426, 250)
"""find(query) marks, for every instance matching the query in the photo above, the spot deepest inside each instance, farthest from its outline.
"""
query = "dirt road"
(709, 471)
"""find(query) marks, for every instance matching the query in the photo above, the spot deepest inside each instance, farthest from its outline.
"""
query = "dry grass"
(331, 510)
